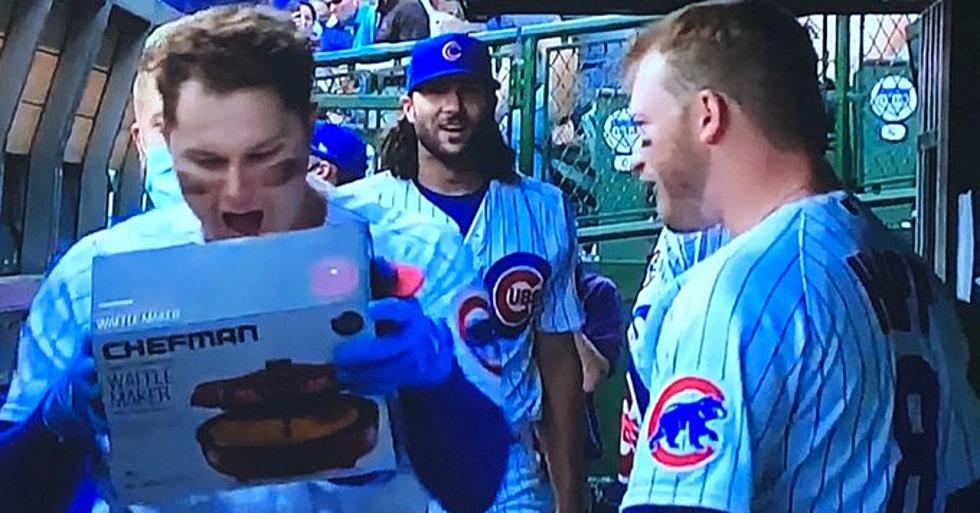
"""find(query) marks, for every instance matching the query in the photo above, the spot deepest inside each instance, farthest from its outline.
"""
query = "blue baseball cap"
(449, 55)
(341, 147)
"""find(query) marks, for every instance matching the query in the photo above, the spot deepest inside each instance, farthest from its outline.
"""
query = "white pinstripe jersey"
(673, 254)
(812, 364)
(523, 242)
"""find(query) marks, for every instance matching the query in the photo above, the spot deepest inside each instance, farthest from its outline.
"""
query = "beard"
(466, 156)
(682, 184)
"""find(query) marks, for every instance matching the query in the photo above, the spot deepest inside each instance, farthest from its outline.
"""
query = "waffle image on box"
(215, 363)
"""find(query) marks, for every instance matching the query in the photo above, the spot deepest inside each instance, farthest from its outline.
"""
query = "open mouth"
(247, 223)
(453, 132)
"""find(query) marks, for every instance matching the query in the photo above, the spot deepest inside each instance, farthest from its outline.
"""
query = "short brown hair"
(153, 48)
(752, 51)
(237, 47)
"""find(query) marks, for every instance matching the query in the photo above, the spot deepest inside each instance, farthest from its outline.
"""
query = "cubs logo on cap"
(474, 327)
(450, 55)
(684, 424)
(514, 283)
(452, 51)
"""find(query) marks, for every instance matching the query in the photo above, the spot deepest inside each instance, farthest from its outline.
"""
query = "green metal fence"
(564, 108)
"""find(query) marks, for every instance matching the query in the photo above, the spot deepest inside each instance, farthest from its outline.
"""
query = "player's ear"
(408, 108)
(134, 133)
(711, 116)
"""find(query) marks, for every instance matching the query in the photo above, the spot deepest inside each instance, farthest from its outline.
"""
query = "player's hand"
(409, 351)
(595, 367)
(73, 407)
(298, 20)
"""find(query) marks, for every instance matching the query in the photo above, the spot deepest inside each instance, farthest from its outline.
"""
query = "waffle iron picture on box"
(285, 420)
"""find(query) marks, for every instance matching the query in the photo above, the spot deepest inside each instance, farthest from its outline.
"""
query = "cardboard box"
(213, 363)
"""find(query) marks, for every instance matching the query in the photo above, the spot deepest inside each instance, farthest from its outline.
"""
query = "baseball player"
(448, 161)
(337, 154)
(812, 363)
(159, 180)
(240, 151)
(672, 255)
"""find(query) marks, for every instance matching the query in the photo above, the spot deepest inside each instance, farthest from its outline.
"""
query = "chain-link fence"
(886, 104)
(592, 134)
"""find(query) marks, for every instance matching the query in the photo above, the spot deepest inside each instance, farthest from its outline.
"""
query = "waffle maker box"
(214, 362)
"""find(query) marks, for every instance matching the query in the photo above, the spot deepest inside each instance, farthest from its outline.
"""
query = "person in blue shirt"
(352, 24)
(599, 343)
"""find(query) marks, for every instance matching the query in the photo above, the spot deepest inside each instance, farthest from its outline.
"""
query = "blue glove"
(73, 406)
(409, 351)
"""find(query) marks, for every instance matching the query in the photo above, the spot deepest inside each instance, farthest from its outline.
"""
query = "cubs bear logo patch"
(515, 283)
(684, 424)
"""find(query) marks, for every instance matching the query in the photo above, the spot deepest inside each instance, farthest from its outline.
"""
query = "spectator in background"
(402, 20)
(305, 18)
(322, 8)
(446, 16)
(599, 343)
(355, 21)
(337, 154)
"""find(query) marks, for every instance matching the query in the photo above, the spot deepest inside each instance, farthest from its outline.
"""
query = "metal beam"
(479, 10)
(24, 31)
(85, 33)
(842, 125)
(619, 231)
(963, 139)
(95, 179)
(156, 12)
(651, 227)
(383, 52)
(364, 101)
(528, 72)
(128, 198)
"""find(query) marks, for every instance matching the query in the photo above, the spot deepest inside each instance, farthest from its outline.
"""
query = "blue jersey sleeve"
(54, 334)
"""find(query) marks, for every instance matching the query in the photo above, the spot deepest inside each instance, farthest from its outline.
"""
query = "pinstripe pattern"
(58, 326)
(530, 217)
(806, 426)
(673, 254)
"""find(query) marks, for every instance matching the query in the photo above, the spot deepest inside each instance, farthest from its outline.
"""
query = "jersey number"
(915, 431)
